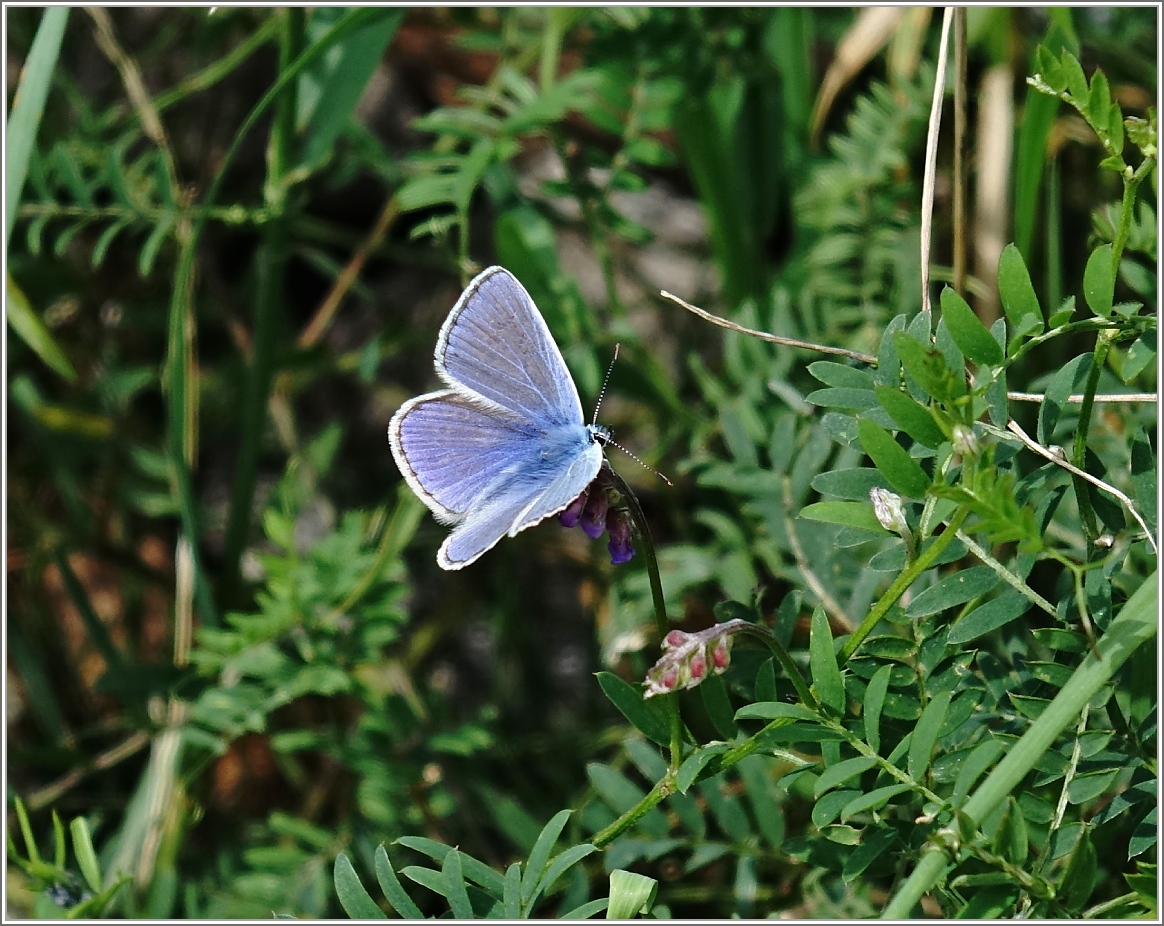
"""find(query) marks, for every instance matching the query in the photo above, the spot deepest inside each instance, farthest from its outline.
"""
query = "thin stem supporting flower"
(662, 624)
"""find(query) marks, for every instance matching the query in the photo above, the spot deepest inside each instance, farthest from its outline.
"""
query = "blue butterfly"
(505, 445)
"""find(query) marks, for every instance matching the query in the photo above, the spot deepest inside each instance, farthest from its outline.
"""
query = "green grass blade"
(33, 331)
(24, 120)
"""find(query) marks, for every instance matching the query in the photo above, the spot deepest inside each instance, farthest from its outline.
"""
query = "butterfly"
(505, 445)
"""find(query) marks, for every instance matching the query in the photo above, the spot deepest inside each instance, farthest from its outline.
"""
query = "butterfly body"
(505, 445)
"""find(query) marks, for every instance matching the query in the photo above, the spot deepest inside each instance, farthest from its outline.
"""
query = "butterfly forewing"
(496, 344)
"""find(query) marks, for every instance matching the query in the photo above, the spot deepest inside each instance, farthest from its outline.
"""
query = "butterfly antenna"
(605, 380)
(607, 440)
(605, 436)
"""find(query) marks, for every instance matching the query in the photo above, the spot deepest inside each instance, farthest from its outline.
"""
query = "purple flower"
(569, 517)
(599, 510)
(619, 528)
(594, 514)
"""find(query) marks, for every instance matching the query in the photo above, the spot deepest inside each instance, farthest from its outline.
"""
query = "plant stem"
(1007, 576)
(923, 562)
(662, 624)
(664, 787)
(765, 636)
(1127, 209)
(269, 299)
(1079, 447)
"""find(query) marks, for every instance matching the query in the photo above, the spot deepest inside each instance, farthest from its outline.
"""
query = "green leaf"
(511, 896)
(847, 398)
(956, 589)
(1090, 786)
(1010, 839)
(849, 483)
(984, 755)
(874, 701)
(1017, 293)
(457, 894)
(474, 869)
(540, 856)
(153, 243)
(1099, 281)
(972, 337)
(914, 419)
(888, 372)
(695, 763)
(841, 772)
(718, 706)
(995, 395)
(1140, 354)
(1099, 103)
(1050, 70)
(1144, 476)
(826, 675)
(86, 856)
(928, 368)
(874, 800)
(32, 330)
(773, 710)
(630, 895)
(562, 863)
(28, 106)
(894, 462)
(390, 885)
(848, 514)
(1079, 878)
(101, 248)
(585, 911)
(1076, 80)
(355, 900)
(330, 89)
(645, 715)
(840, 375)
(871, 848)
(1115, 126)
(990, 616)
(1063, 383)
(925, 734)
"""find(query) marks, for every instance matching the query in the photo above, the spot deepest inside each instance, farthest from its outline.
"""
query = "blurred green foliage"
(233, 663)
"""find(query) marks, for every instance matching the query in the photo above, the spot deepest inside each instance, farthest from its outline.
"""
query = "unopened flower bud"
(721, 653)
(887, 507)
(688, 657)
(965, 442)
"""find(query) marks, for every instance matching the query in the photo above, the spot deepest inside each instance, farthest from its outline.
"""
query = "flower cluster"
(689, 658)
(597, 510)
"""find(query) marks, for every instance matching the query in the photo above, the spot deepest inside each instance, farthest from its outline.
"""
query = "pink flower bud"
(674, 638)
(687, 657)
